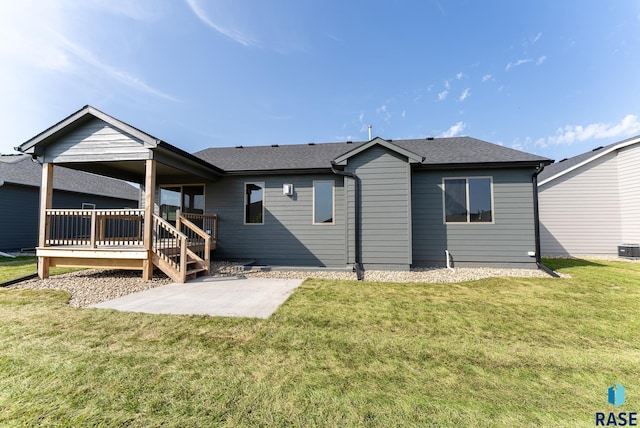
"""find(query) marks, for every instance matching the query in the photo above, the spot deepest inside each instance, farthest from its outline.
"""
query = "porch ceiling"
(134, 171)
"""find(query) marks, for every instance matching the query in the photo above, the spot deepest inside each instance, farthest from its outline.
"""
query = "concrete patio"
(214, 296)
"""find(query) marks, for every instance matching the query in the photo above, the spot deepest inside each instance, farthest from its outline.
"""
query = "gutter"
(536, 220)
(357, 267)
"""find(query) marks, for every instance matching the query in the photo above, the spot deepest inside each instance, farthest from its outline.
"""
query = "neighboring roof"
(435, 152)
(20, 169)
(565, 166)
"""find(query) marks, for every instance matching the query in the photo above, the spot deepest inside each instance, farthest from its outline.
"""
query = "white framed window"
(88, 206)
(254, 203)
(468, 200)
(323, 202)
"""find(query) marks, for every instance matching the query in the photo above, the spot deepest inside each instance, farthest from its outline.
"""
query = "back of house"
(378, 204)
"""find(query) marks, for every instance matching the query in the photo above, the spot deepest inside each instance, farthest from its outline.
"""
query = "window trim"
(88, 206)
(244, 205)
(468, 222)
(333, 203)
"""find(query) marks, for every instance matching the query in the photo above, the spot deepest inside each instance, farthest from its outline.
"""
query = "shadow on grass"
(562, 263)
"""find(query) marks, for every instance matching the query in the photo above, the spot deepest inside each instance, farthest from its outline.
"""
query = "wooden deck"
(115, 239)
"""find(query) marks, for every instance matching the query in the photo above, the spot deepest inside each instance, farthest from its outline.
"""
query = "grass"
(13, 268)
(496, 352)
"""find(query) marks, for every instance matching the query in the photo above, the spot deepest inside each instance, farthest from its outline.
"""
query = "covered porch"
(177, 241)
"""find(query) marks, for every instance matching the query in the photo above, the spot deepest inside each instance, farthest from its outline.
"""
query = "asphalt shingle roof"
(20, 169)
(438, 151)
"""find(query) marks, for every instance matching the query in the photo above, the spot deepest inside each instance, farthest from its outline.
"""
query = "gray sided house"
(589, 203)
(378, 204)
(411, 201)
(20, 178)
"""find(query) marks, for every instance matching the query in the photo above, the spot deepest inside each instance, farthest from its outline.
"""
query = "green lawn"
(497, 352)
(13, 268)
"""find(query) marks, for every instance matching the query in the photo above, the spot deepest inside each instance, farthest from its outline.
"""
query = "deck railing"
(170, 245)
(94, 228)
(200, 231)
(208, 223)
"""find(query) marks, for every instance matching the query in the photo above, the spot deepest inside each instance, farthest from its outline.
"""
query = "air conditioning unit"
(631, 251)
(287, 189)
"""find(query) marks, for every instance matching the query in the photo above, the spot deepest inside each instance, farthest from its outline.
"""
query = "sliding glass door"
(189, 199)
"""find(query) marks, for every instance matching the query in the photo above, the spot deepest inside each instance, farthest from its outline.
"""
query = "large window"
(468, 200)
(254, 203)
(323, 202)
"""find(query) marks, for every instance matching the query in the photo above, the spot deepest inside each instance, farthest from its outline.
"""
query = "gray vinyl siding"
(94, 141)
(19, 212)
(385, 200)
(580, 211)
(629, 187)
(505, 242)
(287, 237)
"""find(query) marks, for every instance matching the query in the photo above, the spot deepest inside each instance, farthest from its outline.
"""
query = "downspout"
(536, 220)
(357, 267)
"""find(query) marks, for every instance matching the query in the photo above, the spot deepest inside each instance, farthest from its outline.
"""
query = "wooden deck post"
(46, 198)
(149, 202)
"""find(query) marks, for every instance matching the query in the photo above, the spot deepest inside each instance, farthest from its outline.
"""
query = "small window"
(468, 200)
(254, 203)
(323, 202)
(88, 206)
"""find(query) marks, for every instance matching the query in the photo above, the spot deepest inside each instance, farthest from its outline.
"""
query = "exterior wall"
(19, 212)
(629, 186)
(287, 237)
(95, 140)
(505, 242)
(580, 211)
(385, 216)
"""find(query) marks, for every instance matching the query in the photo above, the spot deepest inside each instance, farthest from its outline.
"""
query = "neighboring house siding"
(629, 187)
(580, 211)
(287, 237)
(505, 242)
(96, 140)
(20, 214)
(385, 200)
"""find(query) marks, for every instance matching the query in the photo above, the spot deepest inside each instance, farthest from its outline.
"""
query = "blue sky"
(555, 78)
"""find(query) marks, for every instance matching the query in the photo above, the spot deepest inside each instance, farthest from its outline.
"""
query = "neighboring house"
(379, 204)
(20, 179)
(590, 203)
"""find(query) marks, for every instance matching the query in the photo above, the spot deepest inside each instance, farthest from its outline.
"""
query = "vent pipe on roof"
(369, 132)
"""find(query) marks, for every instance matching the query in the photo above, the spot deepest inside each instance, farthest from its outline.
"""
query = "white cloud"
(447, 84)
(541, 60)
(404, 113)
(517, 63)
(536, 38)
(443, 95)
(454, 130)
(460, 75)
(381, 109)
(49, 46)
(628, 126)
(487, 77)
(232, 33)
(465, 94)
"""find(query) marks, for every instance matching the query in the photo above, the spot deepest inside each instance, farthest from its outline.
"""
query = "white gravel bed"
(433, 275)
(91, 286)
